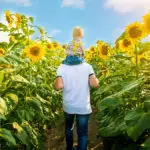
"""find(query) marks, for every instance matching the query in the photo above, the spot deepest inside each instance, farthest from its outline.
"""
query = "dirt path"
(56, 138)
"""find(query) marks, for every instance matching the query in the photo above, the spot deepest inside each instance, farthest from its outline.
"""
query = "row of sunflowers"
(29, 105)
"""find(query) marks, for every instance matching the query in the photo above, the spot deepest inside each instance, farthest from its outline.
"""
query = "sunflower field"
(29, 105)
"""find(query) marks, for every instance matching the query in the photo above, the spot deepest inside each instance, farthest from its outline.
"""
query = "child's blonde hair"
(77, 32)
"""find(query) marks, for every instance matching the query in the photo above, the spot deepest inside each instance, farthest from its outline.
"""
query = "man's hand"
(58, 83)
(93, 81)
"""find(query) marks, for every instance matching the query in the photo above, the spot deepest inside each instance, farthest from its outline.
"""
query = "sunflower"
(117, 45)
(55, 45)
(134, 32)
(5, 66)
(141, 57)
(103, 50)
(125, 44)
(35, 52)
(1, 52)
(146, 20)
(11, 39)
(92, 49)
(64, 46)
(18, 20)
(9, 18)
(49, 45)
(88, 55)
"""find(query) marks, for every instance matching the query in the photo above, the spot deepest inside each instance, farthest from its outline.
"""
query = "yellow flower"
(49, 45)
(146, 20)
(64, 46)
(1, 52)
(9, 18)
(141, 57)
(17, 126)
(11, 39)
(18, 20)
(35, 52)
(55, 45)
(92, 49)
(134, 32)
(103, 50)
(125, 44)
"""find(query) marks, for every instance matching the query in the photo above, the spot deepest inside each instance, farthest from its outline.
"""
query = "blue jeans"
(82, 130)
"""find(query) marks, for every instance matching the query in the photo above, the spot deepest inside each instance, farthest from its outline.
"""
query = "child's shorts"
(73, 60)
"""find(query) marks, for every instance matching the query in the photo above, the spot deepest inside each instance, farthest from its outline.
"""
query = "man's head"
(77, 32)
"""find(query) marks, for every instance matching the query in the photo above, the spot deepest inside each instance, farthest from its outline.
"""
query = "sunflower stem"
(28, 32)
(137, 72)
(137, 67)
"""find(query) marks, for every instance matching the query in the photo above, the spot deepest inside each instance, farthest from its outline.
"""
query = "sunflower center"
(1, 52)
(55, 45)
(126, 43)
(135, 32)
(64, 46)
(35, 51)
(92, 49)
(104, 50)
(49, 46)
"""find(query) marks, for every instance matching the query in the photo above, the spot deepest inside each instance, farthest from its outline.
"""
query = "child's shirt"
(75, 47)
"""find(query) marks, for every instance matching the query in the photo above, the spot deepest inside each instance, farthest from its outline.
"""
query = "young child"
(75, 49)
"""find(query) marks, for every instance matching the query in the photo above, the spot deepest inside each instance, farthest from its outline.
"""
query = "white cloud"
(3, 35)
(24, 3)
(129, 6)
(55, 32)
(73, 3)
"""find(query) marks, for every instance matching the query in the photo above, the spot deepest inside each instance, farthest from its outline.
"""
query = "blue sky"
(100, 19)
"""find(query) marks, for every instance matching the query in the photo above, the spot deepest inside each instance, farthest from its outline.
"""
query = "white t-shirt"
(76, 91)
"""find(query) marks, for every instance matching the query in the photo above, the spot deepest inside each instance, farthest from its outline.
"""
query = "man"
(75, 81)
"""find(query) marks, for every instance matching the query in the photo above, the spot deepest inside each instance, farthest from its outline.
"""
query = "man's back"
(76, 95)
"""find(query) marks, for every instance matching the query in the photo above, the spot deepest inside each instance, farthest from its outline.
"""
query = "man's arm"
(58, 83)
(93, 81)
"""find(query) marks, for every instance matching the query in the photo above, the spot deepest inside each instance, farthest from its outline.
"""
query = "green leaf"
(12, 97)
(147, 105)
(136, 130)
(6, 135)
(3, 106)
(26, 114)
(114, 128)
(34, 103)
(106, 88)
(17, 59)
(42, 100)
(31, 133)
(3, 27)
(1, 77)
(31, 32)
(23, 137)
(125, 89)
(133, 116)
(19, 78)
(109, 102)
(31, 19)
(146, 144)
(3, 60)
